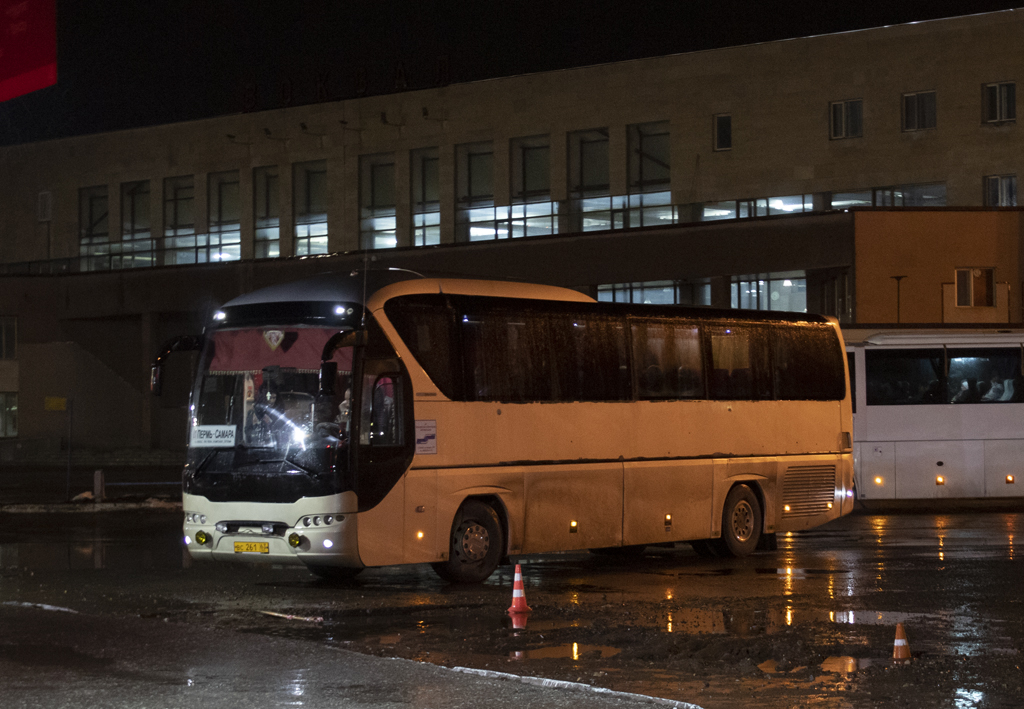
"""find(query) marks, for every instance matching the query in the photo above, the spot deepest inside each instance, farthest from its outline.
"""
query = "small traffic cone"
(518, 594)
(900, 648)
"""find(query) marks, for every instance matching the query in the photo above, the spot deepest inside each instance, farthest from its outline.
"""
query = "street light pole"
(897, 279)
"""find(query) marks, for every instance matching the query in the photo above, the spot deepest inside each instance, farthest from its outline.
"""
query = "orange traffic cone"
(518, 594)
(900, 648)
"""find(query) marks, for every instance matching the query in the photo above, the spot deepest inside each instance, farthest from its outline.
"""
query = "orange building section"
(927, 247)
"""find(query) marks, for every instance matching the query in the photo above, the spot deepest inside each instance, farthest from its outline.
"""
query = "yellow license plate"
(252, 547)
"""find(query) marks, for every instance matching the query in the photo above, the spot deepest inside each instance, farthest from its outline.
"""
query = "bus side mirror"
(185, 343)
(328, 375)
(155, 380)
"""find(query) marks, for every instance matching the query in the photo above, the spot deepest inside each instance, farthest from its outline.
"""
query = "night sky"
(125, 64)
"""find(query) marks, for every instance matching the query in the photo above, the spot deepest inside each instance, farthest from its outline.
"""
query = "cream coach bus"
(386, 418)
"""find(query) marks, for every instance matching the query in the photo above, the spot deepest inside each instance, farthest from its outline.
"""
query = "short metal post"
(98, 485)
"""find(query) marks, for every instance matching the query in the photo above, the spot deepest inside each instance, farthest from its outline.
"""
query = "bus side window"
(739, 362)
(382, 411)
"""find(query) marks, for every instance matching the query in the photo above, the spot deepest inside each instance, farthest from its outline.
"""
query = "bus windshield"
(259, 389)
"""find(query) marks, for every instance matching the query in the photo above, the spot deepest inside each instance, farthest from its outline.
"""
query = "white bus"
(383, 418)
(937, 413)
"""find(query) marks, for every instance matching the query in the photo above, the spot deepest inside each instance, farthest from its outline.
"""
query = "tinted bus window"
(902, 377)
(851, 360)
(808, 363)
(667, 358)
(531, 355)
(425, 324)
(739, 362)
(983, 375)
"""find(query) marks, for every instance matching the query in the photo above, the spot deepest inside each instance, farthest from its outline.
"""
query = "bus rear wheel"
(741, 522)
(475, 545)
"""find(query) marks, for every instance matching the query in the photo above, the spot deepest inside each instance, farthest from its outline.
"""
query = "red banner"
(28, 46)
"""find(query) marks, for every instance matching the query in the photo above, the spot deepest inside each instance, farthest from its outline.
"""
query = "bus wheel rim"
(475, 542)
(743, 521)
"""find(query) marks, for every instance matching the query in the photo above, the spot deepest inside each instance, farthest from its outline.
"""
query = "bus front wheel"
(475, 545)
(741, 522)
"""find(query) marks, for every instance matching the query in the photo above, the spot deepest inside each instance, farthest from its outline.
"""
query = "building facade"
(868, 175)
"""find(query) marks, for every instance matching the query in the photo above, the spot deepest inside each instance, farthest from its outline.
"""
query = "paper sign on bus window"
(426, 437)
(213, 437)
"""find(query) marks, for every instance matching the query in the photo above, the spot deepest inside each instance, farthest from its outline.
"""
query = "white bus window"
(983, 375)
(668, 361)
(905, 377)
(739, 362)
(808, 365)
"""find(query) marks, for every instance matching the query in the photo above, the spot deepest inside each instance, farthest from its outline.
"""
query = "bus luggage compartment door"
(665, 501)
(577, 506)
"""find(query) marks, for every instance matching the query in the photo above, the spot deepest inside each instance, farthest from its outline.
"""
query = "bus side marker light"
(786, 508)
(419, 535)
(668, 522)
(294, 540)
(878, 481)
(830, 505)
(573, 527)
(1009, 480)
(939, 480)
(201, 537)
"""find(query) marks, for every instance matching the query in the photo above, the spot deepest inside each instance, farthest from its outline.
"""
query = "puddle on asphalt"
(567, 651)
(75, 556)
(842, 664)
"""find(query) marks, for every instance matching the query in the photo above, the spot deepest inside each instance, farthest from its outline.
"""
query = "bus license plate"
(252, 547)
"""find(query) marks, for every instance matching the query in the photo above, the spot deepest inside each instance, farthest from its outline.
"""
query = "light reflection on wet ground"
(852, 579)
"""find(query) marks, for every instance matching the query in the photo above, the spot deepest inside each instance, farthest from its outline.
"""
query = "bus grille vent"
(808, 490)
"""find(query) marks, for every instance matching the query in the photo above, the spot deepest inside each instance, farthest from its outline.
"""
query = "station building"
(869, 175)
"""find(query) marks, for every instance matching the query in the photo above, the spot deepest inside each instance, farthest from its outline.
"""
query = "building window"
(8, 415)
(847, 119)
(657, 292)
(93, 229)
(532, 212)
(377, 201)
(723, 131)
(136, 247)
(8, 337)
(591, 203)
(931, 194)
(265, 212)
(426, 197)
(975, 287)
(225, 213)
(770, 291)
(759, 207)
(476, 217)
(649, 167)
(180, 242)
(1001, 191)
(919, 111)
(1000, 102)
(309, 198)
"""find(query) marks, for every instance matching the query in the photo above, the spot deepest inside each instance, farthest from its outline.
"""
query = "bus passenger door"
(666, 501)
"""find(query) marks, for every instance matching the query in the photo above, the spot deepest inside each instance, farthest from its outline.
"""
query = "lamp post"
(897, 279)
